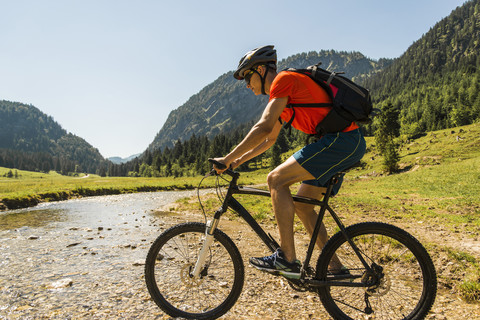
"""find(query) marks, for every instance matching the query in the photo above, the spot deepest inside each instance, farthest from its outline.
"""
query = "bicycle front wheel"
(169, 265)
(401, 285)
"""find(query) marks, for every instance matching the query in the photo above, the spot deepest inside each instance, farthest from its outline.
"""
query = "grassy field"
(439, 179)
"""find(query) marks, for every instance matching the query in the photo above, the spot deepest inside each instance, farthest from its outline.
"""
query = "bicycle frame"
(268, 240)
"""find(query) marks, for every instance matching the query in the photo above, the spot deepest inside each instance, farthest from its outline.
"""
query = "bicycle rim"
(405, 284)
(170, 262)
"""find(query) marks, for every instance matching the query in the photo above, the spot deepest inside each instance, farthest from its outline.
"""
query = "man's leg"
(319, 160)
(279, 182)
(308, 216)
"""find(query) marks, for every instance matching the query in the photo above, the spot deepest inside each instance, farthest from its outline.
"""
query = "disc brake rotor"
(187, 279)
(381, 289)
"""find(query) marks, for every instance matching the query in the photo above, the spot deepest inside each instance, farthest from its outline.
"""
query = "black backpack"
(351, 102)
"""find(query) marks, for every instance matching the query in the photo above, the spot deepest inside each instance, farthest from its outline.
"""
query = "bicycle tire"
(407, 289)
(170, 261)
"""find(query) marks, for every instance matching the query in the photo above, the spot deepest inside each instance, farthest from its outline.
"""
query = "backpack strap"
(312, 73)
(325, 85)
(288, 125)
(310, 105)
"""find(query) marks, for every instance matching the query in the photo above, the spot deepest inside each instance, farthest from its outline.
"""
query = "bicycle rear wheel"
(171, 260)
(402, 286)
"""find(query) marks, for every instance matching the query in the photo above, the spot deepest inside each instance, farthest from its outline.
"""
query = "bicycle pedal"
(296, 285)
(310, 271)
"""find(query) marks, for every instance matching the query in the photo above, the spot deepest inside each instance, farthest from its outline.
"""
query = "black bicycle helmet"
(258, 56)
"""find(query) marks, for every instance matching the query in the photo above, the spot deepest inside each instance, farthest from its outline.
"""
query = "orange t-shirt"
(301, 89)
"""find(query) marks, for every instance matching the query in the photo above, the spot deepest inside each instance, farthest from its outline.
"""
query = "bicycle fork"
(211, 226)
(202, 256)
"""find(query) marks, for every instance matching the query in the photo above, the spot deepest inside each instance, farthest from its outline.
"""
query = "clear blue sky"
(110, 71)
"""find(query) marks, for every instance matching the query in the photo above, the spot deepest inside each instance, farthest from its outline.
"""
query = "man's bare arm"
(261, 148)
(267, 127)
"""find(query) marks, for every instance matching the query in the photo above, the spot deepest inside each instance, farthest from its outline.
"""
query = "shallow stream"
(81, 258)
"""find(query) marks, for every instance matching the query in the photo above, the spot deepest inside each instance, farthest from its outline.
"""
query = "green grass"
(32, 183)
(27, 188)
(439, 182)
(470, 290)
(463, 274)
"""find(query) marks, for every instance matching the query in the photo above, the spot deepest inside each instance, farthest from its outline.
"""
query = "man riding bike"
(313, 165)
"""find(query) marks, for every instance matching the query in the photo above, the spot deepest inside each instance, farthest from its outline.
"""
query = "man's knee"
(273, 179)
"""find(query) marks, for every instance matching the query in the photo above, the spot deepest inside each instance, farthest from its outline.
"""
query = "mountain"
(32, 140)
(436, 82)
(226, 103)
(119, 160)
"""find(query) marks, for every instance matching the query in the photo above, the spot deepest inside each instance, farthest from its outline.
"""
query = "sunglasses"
(249, 75)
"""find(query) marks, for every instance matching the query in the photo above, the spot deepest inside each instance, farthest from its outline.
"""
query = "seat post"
(333, 180)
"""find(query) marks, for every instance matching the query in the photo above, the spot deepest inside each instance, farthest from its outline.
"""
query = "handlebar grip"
(229, 171)
(219, 165)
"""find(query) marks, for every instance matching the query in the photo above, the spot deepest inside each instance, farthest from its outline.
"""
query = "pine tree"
(282, 141)
(391, 157)
(276, 156)
(387, 130)
(388, 126)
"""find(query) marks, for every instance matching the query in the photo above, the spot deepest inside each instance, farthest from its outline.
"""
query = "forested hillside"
(189, 158)
(226, 103)
(436, 82)
(31, 140)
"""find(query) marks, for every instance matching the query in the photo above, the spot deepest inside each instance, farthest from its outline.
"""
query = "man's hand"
(222, 161)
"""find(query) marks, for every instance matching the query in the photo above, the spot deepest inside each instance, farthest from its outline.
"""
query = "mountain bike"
(194, 270)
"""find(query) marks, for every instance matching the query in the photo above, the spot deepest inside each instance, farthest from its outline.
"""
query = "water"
(76, 256)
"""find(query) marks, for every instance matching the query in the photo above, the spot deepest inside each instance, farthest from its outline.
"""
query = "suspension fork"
(211, 226)
(202, 256)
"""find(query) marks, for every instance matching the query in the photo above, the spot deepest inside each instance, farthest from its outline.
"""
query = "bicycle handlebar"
(222, 166)
(219, 165)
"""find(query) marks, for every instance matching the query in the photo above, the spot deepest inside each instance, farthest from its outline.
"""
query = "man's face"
(253, 80)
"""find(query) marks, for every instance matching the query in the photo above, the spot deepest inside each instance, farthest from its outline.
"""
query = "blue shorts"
(334, 152)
